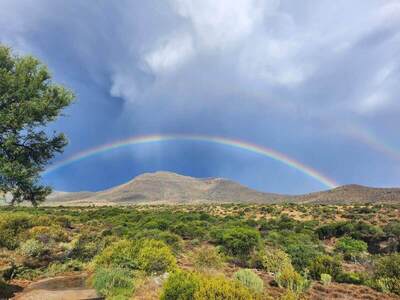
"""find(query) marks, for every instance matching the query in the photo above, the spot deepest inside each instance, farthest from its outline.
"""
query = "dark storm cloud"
(291, 76)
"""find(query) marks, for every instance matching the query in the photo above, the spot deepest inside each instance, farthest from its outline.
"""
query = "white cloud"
(219, 24)
(170, 53)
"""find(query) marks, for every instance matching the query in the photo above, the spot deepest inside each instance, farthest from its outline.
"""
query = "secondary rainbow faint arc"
(273, 154)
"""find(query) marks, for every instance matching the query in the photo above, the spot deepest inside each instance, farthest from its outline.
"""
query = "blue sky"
(315, 80)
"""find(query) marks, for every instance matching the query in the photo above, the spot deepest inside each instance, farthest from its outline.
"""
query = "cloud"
(170, 53)
(285, 74)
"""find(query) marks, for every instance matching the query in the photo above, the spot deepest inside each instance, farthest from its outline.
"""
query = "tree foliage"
(29, 100)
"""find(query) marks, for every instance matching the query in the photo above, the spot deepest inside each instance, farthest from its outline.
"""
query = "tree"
(29, 100)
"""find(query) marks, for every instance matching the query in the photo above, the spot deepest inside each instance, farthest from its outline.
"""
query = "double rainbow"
(136, 140)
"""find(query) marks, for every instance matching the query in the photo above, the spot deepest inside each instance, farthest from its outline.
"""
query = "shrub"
(388, 285)
(183, 285)
(274, 259)
(240, 241)
(387, 273)
(32, 248)
(11, 225)
(350, 248)
(290, 279)
(171, 239)
(250, 280)
(155, 257)
(180, 285)
(206, 257)
(218, 287)
(302, 254)
(326, 279)
(189, 230)
(86, 246)
(47, 233)
(114, 281)
(122, 254)
(289, 295)
(350, 277)
(325, 264)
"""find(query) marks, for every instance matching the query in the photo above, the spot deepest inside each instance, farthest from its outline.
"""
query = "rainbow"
(136, 140)
(367, 137)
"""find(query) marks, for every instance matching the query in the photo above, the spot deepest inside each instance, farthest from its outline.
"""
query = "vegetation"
(238, 251)
(29, 100)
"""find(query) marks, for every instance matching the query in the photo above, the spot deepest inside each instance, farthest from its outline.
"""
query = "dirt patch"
(71, 287)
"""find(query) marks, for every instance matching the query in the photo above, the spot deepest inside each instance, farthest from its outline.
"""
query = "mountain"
(352, 193)
(171, 188)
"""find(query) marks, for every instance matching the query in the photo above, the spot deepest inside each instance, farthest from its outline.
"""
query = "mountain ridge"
(164, 187)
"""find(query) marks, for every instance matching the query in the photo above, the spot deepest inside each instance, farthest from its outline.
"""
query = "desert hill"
(171, 188)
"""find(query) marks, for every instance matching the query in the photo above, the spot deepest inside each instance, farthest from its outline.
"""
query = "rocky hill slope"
(171, 188)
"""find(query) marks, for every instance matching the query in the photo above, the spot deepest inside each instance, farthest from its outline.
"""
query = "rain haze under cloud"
(316, 80)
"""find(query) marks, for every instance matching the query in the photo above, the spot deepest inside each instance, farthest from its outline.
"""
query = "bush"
(290, 279)
(121, 254)
(155, 257)
(47, 233)
(11, 225)
(206, 257)
(180, 285)
(350, 277)
(171, 239)
(218, 287)
(114, 281)
(183, 285)
(274, 259)
(387, 273)
(325, 264)
(240, 241)
(86, 246)
(326, 279)
(351, 249)
(250, 280)
(33, 248)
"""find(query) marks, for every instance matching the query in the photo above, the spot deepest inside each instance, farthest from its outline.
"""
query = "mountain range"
(172, 188)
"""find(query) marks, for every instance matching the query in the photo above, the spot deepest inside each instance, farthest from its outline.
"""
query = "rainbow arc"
(137, 140)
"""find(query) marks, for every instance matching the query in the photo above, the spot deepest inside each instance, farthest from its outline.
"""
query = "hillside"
(171, 188)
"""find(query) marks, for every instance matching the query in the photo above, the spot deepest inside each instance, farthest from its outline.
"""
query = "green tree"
(29, 100)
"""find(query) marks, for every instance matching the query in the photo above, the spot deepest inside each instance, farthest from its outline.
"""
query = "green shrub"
(388, 285)
(351, 249)
(86, 246)
(274, 259)
(171, 239)
(155, 257)
(57, 268)
(206, 257)
(325, 264)
(240, 241)
(350, 277)
(250, 280)
(11, 225)
(290, 279)
(387, 273)
(47, 233)
(180, 285)
(184, 285)
(326, 279)
(114, 282)
(33, 248)
(8, 239)
(122, 254)
(219, 287)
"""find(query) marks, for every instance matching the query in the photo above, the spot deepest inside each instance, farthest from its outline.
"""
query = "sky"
(316, 81)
